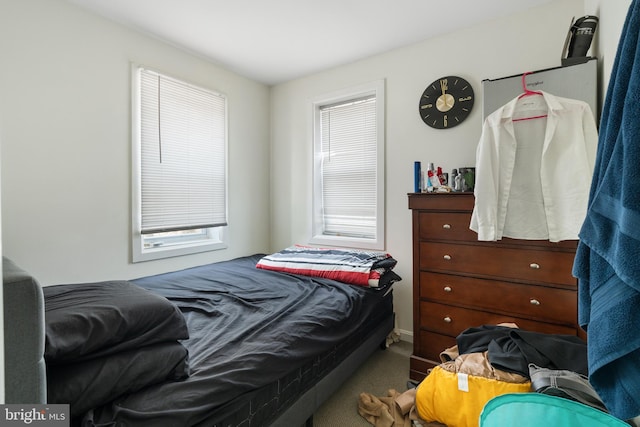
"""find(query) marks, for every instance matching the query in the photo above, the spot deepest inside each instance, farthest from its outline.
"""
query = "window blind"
(349, 159)
(183, 155)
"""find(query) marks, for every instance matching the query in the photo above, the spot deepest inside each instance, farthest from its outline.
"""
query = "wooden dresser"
(460, 282)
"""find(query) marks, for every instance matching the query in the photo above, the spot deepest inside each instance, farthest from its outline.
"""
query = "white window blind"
(183, 155)
(349, 168)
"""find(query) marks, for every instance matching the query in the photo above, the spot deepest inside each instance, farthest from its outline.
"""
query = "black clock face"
(446, 102)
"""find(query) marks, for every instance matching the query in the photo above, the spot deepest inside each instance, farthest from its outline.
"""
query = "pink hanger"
(527, 92)
(525, 89)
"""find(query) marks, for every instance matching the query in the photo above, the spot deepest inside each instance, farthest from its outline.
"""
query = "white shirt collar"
(552, 101)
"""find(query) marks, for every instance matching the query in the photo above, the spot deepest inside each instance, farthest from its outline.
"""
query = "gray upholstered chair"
(24, 335)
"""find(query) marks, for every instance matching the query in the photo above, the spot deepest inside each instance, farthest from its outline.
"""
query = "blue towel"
(607, 262)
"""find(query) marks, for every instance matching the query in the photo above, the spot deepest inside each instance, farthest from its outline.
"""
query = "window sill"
(347, 242)
(149, 254)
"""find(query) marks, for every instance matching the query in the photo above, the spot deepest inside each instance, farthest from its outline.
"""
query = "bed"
(256, 347)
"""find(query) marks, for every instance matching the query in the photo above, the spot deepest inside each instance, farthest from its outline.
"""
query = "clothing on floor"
(512, 350)
(396, 409)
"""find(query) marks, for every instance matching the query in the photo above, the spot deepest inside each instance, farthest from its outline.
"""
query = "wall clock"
(446, 102)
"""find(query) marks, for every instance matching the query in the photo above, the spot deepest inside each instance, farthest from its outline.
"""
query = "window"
(348, 168)
(179, 167)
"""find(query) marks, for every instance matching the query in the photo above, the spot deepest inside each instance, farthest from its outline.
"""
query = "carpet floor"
(384, 370)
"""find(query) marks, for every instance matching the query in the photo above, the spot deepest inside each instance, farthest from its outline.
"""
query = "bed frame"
(301, 412)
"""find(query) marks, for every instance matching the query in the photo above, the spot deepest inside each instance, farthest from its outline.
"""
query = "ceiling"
(273, 41)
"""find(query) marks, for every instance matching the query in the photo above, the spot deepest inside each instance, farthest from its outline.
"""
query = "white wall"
(66, 147)
(611, 15)
(524, 42)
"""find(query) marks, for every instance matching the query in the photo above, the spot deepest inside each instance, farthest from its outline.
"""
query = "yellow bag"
(457, 399)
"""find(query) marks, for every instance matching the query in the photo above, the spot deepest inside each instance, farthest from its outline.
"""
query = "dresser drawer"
(446, 226)
(529, 301)
(530, 265)
(446, 202)
(451, 320)
(432, 344)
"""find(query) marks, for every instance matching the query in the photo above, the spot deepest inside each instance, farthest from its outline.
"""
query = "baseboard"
(405, 335)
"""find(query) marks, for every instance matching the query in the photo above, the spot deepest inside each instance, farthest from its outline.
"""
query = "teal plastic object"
(536, 409)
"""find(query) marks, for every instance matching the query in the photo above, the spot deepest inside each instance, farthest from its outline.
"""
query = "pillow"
(96, 319)
(344, 265)
(95, 382)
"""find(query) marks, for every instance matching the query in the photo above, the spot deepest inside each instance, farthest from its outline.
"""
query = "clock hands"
(445, 101)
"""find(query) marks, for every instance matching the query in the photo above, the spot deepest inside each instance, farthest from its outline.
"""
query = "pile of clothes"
(488, 361)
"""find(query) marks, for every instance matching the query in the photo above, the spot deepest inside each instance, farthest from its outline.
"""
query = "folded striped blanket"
(345, 265)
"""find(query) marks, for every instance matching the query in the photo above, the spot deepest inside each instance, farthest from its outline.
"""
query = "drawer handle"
(534, 266)
(447, 226)
(534, 301)
(447, 289)
(448, 319)
(447, 257)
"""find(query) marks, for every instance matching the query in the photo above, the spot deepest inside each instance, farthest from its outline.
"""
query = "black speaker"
(579, 39)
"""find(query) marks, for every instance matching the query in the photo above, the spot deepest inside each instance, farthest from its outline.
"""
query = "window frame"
(377, 89)
(215, 238)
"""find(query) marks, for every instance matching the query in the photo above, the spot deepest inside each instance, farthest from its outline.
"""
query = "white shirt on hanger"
(533, 175)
